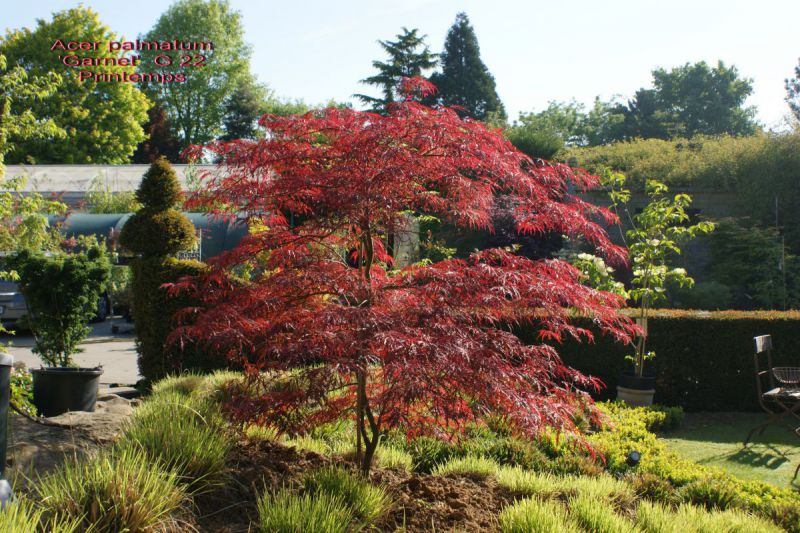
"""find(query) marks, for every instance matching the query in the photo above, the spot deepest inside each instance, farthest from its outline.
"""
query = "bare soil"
(422, 503)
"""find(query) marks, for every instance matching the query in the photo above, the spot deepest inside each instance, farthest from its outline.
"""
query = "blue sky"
(537, 51)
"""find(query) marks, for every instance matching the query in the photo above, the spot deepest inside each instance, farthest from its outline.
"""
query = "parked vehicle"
(13, 307)
(12, 303)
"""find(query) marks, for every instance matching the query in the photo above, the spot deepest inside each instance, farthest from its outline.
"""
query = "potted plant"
(61, 291)
(654, 238)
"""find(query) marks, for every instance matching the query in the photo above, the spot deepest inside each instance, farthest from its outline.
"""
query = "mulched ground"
(423, 503)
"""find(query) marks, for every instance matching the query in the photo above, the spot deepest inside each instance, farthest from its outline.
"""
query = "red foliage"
(430, 343)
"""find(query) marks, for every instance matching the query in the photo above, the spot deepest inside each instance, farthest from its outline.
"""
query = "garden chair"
(781, 399)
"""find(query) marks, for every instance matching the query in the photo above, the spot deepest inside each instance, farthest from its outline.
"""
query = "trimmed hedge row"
(704, 360)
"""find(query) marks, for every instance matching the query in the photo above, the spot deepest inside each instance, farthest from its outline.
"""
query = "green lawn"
(716, 439)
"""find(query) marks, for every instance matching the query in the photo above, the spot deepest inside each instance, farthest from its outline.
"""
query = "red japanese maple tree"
(425, 347)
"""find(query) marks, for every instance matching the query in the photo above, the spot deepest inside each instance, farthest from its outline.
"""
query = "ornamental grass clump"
(119, 490)
(367, 502)
(598, 516)
(287, 512)
(532, 515)
(470, 465)
(657, 518)
(24, 516)
(183, 435)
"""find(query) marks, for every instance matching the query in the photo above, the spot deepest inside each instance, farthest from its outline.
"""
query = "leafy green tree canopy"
(464, 80)
(195, 108)
(693, 99)
(409, 57)
(101, 120)
(20, 124)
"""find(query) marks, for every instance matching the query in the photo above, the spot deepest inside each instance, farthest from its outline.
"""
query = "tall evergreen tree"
(409, 56)
(465, 80)
(242, 110)
(793, 92)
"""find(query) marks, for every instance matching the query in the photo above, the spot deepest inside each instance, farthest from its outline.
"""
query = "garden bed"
(188, 468)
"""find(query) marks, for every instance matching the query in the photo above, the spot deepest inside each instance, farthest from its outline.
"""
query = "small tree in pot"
(61, 291)
(654, 238)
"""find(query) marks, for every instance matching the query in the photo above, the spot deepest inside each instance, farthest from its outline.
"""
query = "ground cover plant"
(326, 194)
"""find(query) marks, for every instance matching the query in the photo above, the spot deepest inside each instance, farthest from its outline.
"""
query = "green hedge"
(704, 360)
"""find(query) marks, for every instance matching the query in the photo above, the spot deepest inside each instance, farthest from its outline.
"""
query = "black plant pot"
(57, 390)
(635, 390)
(632, 381)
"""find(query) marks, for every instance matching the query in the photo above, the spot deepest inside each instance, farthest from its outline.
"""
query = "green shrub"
(532, 515)
(368, 503)
(21, 390)
(158, 233)
(117, 491)
(61, 292)
(182, 435)
(286, 512)
(469, 465)
(597, 516)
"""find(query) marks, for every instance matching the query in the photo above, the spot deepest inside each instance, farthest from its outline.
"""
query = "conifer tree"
(465, 81)
(409, 57)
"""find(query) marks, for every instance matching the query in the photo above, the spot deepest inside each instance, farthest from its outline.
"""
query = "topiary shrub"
(156, 233)
(158, 230)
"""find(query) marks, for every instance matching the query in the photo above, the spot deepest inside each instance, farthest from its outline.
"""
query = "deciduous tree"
(102, 120)
(426, 348)
(195, 108)
(160, 141)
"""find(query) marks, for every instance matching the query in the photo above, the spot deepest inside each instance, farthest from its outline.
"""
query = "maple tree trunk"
(360, 394)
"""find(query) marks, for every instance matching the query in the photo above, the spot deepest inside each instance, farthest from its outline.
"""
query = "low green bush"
(367, 502)
(287, 512)
(182, 434)
(119, 490)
